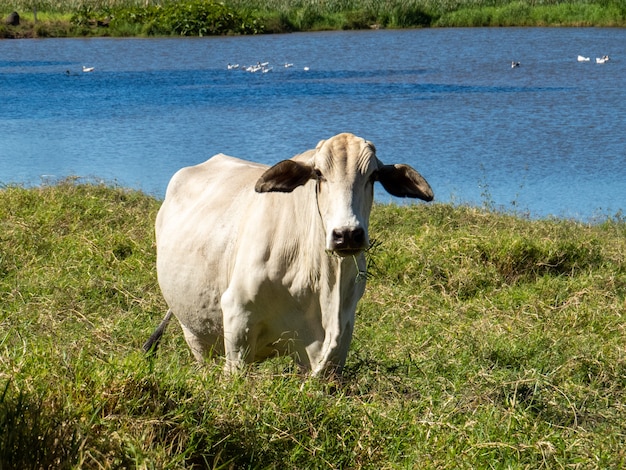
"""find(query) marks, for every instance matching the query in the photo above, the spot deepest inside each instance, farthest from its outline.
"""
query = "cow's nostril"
(358, 236)
(339, 236)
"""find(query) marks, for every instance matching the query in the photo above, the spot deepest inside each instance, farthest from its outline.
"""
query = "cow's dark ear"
(284, 177)
(403, 181)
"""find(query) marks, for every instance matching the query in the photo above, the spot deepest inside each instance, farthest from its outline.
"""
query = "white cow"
(259, 261)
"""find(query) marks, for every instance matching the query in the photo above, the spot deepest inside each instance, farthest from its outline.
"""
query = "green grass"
(522, 13)
(204, 17)
(484, 340)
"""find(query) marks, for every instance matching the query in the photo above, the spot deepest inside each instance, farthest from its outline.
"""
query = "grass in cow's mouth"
(483, 339)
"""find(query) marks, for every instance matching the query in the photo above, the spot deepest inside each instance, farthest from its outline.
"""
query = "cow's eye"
(319, 175)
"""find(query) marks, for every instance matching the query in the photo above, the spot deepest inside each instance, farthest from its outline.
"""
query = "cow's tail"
(150, 346)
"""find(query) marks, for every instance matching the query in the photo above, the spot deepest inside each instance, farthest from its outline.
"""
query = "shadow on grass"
(34, 434)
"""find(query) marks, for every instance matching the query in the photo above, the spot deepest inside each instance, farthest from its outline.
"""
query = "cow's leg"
(331, 357)
(203, 348)
(239, 335)
(239, 343)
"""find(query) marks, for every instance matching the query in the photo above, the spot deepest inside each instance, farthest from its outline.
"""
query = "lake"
(546, 138)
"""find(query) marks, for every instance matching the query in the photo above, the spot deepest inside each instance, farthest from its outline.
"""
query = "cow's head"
(345, 168)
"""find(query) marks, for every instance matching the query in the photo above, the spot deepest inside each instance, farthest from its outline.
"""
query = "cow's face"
(345, 168)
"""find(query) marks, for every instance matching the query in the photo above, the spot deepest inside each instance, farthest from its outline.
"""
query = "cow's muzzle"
(348, 241)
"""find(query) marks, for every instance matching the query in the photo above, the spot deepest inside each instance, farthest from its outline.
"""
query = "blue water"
(546, 138)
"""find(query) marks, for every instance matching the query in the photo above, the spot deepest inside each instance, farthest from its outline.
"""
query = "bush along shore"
(484, 340)
(50, 18)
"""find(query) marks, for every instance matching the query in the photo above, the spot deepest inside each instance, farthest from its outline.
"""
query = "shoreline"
(40, 31)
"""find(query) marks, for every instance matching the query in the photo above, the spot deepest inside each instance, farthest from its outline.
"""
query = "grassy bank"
(483, 341)
(60, 18)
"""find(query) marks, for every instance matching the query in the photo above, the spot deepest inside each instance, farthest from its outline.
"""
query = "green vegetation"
(42, 18)
(484, 340)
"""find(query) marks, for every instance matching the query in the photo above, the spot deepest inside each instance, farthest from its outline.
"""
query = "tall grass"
(420, 13)
(484, 340)
(137, 17)
(522, 13)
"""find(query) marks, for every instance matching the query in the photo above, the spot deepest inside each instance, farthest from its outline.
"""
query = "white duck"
(583, 59)
(88, 69)
(602, 60)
